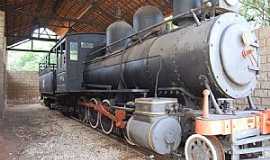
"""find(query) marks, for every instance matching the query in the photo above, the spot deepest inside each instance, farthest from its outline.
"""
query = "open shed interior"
(29, 131)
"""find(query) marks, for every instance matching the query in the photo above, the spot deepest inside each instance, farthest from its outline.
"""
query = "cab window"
(73, 51)
(59, 57)
(63, 53)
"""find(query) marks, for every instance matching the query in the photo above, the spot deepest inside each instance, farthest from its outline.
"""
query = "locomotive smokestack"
(182, 6)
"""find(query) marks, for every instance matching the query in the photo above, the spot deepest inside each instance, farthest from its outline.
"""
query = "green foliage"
(28, 61)
(24, 61)
(257, 11)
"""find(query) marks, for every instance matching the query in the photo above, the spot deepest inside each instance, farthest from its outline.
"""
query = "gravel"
(40, 134)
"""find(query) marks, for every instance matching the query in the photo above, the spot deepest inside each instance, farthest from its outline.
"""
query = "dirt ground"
(32, 132)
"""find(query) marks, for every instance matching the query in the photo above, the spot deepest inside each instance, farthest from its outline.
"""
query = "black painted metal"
(47, 82)
(137, 67)
(70, 70)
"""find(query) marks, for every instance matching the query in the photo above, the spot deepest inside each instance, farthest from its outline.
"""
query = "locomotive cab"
(47, 80)
(71, 52)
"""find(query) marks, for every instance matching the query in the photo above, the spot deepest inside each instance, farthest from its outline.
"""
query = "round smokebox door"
(239, 58)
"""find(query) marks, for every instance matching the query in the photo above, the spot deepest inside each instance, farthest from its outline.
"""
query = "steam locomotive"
(163, 87)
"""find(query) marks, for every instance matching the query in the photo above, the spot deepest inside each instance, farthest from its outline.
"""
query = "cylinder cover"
(161, 134)
(152, 128)
(117, 31)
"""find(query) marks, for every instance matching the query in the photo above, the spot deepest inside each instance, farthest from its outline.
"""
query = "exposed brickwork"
(261, 95)
(2, 63)
(23, 87)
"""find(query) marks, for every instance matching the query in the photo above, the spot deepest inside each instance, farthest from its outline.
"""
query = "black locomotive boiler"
(161, 87)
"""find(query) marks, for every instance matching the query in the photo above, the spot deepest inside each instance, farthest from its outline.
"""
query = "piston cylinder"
(152, 128)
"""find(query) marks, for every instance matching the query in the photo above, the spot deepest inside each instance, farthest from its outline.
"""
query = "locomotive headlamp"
(232, 2)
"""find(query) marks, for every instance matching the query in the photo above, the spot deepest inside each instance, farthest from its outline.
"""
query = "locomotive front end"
(233, 56)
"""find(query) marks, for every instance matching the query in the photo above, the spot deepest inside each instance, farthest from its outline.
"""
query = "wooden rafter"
(71, 15)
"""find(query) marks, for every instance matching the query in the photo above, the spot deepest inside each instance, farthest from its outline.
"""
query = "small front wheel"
(200, 147)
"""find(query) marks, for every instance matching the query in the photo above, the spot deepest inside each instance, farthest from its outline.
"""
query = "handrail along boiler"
(163, 88)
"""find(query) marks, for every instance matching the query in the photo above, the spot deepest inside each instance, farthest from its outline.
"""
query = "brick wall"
(261, 95)
(23, 87)
(2, 63)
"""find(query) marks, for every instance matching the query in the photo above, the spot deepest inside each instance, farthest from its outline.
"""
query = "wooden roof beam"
(56, 6)
(11, 10)
(90, 6)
